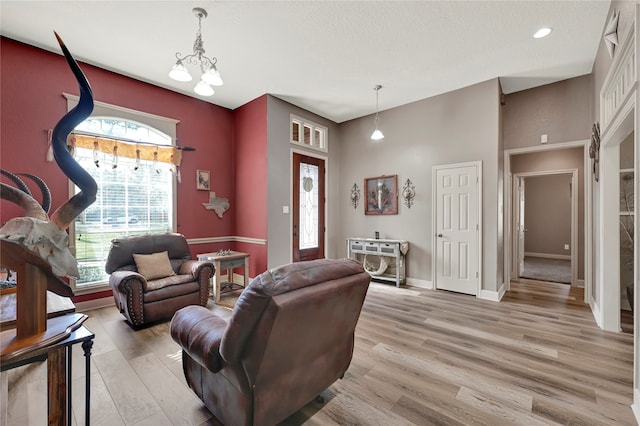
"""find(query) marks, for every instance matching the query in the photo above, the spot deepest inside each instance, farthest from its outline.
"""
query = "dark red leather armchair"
(289, 337)
(143, 300)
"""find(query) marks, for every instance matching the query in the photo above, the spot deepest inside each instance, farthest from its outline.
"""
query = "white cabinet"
(383, 259)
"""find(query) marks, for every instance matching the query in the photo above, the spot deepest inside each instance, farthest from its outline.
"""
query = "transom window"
(308, 134)
(135, 196)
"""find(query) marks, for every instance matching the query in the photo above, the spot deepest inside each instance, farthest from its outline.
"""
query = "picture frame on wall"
(203, 180)
(382, 195)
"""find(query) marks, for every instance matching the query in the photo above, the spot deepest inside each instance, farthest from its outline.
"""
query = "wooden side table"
(56, 306)
(227, 261)
(58, 355)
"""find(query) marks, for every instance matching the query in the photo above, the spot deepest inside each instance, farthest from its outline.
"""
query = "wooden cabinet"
(375, 253)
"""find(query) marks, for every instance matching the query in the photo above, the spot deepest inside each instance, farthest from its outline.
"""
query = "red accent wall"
(250, 126)
(31, 85)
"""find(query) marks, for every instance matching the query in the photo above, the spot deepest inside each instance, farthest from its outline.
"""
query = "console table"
(359, 248)
(227, 261)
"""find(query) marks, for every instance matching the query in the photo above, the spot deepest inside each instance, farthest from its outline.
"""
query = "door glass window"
(308, 206)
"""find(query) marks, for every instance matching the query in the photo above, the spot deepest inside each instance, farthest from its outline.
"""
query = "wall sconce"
(408, 193)
(355, 195)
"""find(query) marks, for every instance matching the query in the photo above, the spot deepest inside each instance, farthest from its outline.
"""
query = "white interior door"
(457, 228)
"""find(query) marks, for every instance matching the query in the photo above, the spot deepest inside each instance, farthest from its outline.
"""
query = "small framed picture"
(382, 195)
(203, 180)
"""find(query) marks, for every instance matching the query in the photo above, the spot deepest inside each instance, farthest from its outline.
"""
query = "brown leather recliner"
(289, 337)
(143, 301)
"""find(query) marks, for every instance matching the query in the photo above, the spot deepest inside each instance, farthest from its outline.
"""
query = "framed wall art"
(203, 180)
(382, 195)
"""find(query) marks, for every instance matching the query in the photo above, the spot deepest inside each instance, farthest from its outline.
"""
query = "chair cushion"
(154, 266)
(171, 280)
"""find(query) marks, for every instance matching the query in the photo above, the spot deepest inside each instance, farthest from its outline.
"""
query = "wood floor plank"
(505, 413)
(421, 357)
(103, 409)
(510, 395)
(178, 403)
(131, 397)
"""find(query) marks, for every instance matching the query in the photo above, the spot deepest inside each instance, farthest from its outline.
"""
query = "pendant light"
(210, 74)
(377, 134)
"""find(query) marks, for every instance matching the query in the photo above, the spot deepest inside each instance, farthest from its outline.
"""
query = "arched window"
(135, 196)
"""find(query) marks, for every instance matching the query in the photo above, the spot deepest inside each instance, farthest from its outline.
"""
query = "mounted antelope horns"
(24, 200)
(21, 199)
(65, 214)
(15, 179)
(46, 193)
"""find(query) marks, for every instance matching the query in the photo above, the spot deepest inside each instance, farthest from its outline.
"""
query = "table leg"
(4, 397)
(86, 346)
(69, 355)
(57, 383)
(246, 271)
(216, 283)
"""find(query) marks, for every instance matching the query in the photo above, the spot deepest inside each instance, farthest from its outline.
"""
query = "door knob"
(440, 235)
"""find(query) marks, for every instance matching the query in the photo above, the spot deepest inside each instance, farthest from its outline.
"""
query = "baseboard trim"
(494, 296)
(88, 305)
(635, 407)
(595, 310)
(414, 282)
(548, 255)
(580, 283)
(239, 279)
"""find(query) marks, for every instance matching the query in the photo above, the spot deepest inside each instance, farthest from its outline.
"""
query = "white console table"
(359, 248)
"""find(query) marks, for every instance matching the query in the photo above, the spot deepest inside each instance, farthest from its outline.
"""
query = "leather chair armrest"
(199, 332)
(127, 281)
(195, 268)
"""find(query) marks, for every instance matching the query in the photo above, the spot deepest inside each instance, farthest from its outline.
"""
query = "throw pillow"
(153, 266)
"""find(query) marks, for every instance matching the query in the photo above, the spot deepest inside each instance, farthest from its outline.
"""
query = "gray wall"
(548, 214)
(456, 127)
(559, 159)
(560, 110)
(279, 180)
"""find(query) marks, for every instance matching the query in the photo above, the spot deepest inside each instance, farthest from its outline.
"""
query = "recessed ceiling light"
(542, 32)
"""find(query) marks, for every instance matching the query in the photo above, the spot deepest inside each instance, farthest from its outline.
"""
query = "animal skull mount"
(38, 232)
(47, 240)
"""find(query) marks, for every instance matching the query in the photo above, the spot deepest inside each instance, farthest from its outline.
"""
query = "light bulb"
(377, 135)
(179, 72)
(212, 77)
(203, 89)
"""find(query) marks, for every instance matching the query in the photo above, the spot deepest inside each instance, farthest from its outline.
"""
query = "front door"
(308, 208)
(457, 228)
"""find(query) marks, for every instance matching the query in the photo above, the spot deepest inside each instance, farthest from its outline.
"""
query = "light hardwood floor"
(421, 357)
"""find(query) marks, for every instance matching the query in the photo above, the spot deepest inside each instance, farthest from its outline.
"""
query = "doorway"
(308, 212)
(545, 234)
(557, 158)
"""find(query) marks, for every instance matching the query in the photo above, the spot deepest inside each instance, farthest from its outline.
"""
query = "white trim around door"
(588, 209)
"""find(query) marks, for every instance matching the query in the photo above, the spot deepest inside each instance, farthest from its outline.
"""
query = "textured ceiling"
(324, 56)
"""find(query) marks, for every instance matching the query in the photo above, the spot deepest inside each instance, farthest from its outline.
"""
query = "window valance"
(123, 148)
